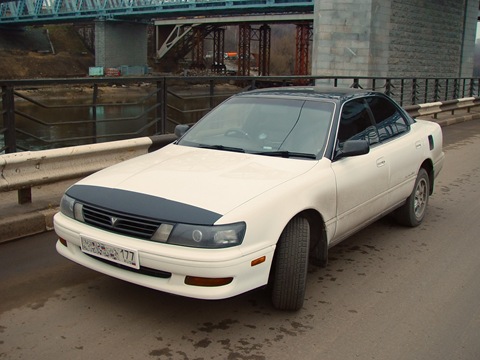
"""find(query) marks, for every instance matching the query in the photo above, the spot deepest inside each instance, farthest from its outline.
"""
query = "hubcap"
(421, 197)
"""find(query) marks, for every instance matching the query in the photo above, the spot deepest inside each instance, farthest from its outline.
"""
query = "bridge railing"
(25, 170)
(91, 114)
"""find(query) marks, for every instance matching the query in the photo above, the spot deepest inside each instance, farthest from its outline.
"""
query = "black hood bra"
(142, 205)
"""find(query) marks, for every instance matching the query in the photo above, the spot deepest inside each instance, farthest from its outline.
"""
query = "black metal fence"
(31, 119)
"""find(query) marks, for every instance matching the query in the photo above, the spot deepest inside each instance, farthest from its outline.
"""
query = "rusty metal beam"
(302, 49)
(264, 50)
(244, 36)
(218, 64)
(198, 61)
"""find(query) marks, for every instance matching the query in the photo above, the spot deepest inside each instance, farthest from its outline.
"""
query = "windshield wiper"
(221, 147)
(286, 154)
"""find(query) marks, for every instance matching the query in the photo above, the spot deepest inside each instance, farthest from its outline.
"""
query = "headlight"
(211, 237)
(69, 207)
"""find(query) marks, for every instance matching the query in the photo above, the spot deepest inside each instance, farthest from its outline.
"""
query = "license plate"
(117, 254)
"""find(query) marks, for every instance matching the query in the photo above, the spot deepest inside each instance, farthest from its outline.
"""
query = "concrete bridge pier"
(120, 43)
(394, 38)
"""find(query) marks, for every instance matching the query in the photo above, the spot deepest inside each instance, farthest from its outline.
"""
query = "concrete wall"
(394, 38)
(471, 20)
(342, 32)
(118, 44)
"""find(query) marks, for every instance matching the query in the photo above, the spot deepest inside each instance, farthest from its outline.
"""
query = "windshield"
(267, 126)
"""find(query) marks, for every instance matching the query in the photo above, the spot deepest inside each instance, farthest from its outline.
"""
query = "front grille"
(121, 223)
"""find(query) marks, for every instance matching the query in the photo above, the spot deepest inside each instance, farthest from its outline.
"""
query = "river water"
(78, 123)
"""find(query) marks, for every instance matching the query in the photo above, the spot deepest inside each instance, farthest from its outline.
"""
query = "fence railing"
(34, 119)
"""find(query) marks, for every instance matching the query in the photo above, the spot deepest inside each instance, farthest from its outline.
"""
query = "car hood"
(217, 181)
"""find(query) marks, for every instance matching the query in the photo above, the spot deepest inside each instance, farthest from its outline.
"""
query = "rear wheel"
(414, 209)
(290, 266)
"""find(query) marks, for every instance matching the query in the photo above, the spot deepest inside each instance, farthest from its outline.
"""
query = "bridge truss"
(30, 12)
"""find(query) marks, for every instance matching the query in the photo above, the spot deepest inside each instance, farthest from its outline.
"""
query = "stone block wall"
(425, 38)
(342, 35)
(471, 20)
(394, 38)
(118, 44)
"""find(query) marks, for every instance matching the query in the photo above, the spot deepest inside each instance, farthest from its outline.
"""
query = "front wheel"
(291, 265)
(414, 209)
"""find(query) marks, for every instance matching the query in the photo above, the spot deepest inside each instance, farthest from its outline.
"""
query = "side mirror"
(181, 129)
(353, 148)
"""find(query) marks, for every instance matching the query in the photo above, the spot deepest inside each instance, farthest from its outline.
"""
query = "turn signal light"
(258, 261)
(62, 241)
(209, 282)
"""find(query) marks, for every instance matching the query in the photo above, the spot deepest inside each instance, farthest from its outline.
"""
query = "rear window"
(389, 121)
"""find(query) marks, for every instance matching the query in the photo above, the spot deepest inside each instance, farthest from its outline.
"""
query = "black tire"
(413, 211)
(291, 265)
(318, 253)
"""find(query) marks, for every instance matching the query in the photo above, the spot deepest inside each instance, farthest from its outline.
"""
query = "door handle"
(381, 162)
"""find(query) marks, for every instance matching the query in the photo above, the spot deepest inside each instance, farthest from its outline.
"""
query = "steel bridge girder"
(13, 12)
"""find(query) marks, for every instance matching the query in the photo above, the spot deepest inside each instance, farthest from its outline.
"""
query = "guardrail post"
(356, 84)
(212, 93)
(9, 119)
(388, 87)
(402, 88)
(94, 110)
(24, 196)
(94, 102)
(446, 90)
(425, 100)
(456, 89)
(436, 93)
(471, 88)
(414, 91)
(161, 109)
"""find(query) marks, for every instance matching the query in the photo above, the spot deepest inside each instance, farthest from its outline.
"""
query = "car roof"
(315, 92)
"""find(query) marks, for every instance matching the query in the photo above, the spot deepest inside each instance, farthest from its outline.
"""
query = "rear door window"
(389, 120)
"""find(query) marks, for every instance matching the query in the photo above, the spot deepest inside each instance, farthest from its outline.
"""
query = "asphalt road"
(388, 293)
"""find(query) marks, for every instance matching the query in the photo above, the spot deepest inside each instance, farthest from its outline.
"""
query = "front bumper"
(177, 261)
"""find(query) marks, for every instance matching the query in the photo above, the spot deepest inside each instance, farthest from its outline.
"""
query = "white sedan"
(262, 185)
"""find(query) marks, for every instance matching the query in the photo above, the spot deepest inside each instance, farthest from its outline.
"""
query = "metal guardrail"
(24, 170)
(175, 100)
(442, 106)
